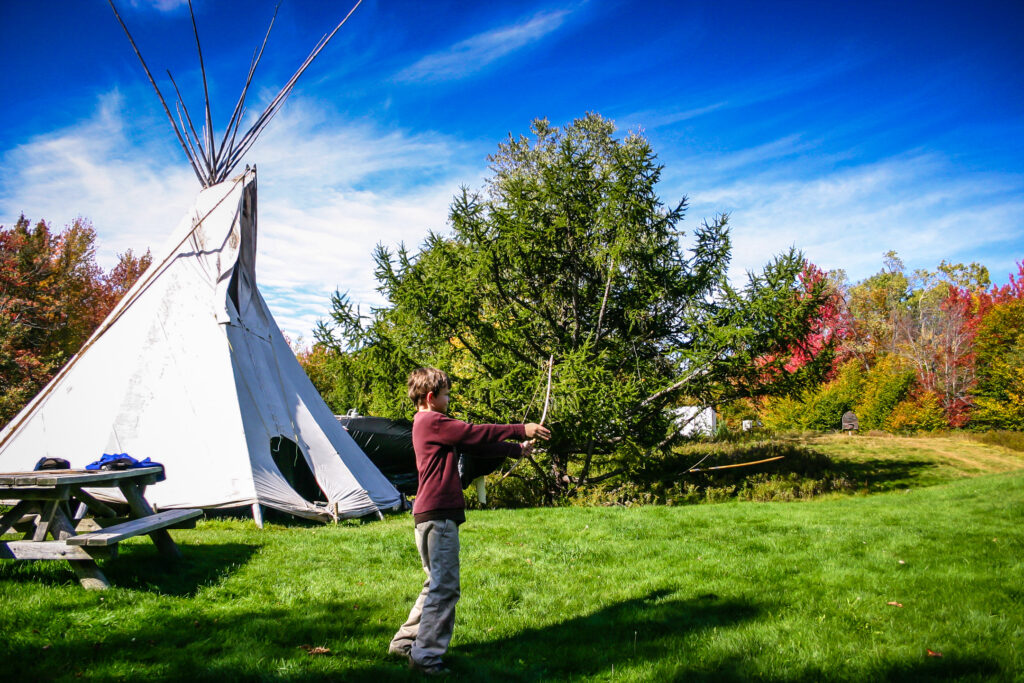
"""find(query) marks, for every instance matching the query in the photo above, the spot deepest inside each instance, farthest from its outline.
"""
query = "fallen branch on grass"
(738, 464)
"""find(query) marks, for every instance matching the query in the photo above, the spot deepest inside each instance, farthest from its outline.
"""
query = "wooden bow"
(543, 416)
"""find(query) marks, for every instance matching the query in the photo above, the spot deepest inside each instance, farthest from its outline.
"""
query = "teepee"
(191, 370)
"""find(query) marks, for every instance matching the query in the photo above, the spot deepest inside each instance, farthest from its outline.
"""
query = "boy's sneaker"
(438, 669)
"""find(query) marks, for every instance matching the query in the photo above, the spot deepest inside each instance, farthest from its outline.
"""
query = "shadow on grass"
(223, 645)
(652, 629)
(660, 637)
(881, 474)
(266, 644)
(141, 567)
(800, 472)
(876, 475)
(936, 669)
(654, 637)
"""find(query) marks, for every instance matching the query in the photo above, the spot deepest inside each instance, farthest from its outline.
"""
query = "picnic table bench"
(42, 506)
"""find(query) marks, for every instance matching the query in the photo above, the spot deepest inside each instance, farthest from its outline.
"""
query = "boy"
(440, 508)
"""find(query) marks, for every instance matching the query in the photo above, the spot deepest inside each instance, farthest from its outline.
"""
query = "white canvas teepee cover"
(191, 370)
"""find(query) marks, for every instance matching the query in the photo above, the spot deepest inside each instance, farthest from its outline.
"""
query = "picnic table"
(42, 506)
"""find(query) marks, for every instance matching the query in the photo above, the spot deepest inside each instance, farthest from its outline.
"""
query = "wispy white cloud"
(328, 195)
(848, 217)
(752, 159)
(766, 87)
(667, 117)
(473, 54)
(132, 198)
(159, 5)
(331, 189)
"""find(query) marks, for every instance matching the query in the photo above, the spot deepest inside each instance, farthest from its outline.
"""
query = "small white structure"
(696, 420)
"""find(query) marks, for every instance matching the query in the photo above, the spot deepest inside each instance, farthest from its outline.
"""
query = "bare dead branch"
(236, 114)
(167, 109)
(210, 154)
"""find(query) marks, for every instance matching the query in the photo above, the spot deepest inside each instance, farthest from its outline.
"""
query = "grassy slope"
(771, 591)
(890, 462)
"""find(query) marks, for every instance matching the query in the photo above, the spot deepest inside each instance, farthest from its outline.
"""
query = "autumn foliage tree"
(871, 312)
(993, 321)
(52, 296)
(935, 348)
(826, 325)
(933, 335)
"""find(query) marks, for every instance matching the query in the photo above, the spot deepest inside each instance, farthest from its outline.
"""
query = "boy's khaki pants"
(428, 630)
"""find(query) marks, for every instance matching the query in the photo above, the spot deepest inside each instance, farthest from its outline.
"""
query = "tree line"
(567, 264)
(921, 350)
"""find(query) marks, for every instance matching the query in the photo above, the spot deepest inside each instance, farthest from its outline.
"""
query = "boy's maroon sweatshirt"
(434, 439)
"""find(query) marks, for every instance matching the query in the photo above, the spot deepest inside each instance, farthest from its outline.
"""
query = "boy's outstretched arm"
(454, 432)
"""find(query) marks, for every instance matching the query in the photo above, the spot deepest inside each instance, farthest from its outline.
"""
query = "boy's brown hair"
(425, 380)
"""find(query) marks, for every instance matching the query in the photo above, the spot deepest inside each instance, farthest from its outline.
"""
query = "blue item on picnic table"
(120, 461)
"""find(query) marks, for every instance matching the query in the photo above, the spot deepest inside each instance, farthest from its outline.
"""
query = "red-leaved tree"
(818, 345)
(966, 309)
(827, 327)
(52, 296)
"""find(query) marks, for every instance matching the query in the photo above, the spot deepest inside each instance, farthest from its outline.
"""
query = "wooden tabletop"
(11, 481)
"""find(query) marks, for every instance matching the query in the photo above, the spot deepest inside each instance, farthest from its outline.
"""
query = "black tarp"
(388, 445)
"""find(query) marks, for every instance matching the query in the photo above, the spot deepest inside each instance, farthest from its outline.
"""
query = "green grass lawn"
(775, 591)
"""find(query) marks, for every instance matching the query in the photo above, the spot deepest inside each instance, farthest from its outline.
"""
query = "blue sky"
(846, 129)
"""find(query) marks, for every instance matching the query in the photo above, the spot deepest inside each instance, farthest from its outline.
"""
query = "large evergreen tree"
(568, 256)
